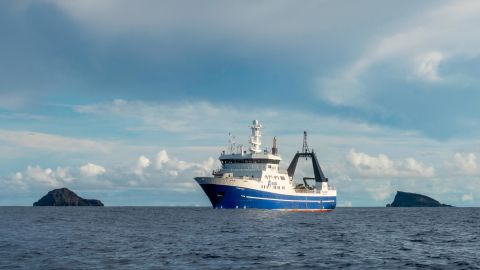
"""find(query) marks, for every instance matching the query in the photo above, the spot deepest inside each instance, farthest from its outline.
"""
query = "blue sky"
(127, 102)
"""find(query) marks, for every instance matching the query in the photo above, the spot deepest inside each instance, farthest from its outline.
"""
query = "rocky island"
(65, 197)
(407, 199)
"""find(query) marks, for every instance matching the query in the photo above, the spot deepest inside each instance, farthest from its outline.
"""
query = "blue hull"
(222, 196)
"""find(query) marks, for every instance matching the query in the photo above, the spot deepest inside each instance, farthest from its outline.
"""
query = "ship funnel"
(274, 146)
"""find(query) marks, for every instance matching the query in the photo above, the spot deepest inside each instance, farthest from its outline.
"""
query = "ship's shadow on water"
(205, 238)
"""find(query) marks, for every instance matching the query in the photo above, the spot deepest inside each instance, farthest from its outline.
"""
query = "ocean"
(204, 238)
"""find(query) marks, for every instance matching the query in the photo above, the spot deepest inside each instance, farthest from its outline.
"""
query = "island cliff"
(407, 199)
(65, 197)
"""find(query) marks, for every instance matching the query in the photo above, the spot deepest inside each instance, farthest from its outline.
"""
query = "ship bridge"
(236, 160)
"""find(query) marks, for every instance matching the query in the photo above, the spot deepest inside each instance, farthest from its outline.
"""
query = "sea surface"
(204, 238)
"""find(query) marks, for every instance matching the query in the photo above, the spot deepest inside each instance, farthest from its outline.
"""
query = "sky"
(127, 101)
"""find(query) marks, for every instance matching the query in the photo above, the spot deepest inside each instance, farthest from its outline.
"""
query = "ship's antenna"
(305, 144)
(232, 143)
(255, 138)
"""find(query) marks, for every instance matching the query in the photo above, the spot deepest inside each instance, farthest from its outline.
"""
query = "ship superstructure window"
(250, 160)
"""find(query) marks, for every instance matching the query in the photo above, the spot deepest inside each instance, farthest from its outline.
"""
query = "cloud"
(162, 158)
(154, 116)
(279, 23)
(379, 166)
(466, 163)
(417, 47)
(205, 119)
(91, 169)
(467, 197)
(36, 176)
(173, 166)
(414, 167)
(50, 142)
(427, 66)
(142, 163)
(175, 175)
(383, 166)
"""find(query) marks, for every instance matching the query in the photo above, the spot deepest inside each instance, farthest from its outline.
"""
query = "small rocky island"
(65, 197)
(407, 199)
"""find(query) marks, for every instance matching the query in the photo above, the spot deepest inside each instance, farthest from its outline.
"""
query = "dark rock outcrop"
(65, 197)
(407, 199)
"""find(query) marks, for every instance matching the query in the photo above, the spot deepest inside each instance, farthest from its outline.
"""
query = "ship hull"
(231, 197)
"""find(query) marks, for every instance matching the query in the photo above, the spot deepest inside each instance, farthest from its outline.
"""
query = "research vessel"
(254, 179)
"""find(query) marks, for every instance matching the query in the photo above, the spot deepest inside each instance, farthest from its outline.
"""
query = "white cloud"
(162, 158)
(418, 45)
(49, 142)
(207, 121)
(175, 175)
(154, 116)
(174, 166)
(46, 177)
(369, 165)
(383, 166)
(91, 169)
(142, 163)
(427, 66)
(467, 197)
(279, 23)
(466, 163)
(414, 167)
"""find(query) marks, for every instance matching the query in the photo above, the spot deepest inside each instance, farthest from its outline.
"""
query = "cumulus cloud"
(162, 158)
(142, 163)
(45, 177)
(382, 166)
(414, 167)
(174, 166)
(174, 175)
(170, 173)
(91, 169)
(466, 163)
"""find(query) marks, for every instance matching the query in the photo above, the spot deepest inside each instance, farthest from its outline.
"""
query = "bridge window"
(255, 160)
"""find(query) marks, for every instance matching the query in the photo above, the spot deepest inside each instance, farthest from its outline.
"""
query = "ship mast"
(305, 144)
(255, 138)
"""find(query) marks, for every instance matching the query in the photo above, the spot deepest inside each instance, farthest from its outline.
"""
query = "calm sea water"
(203, 238)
